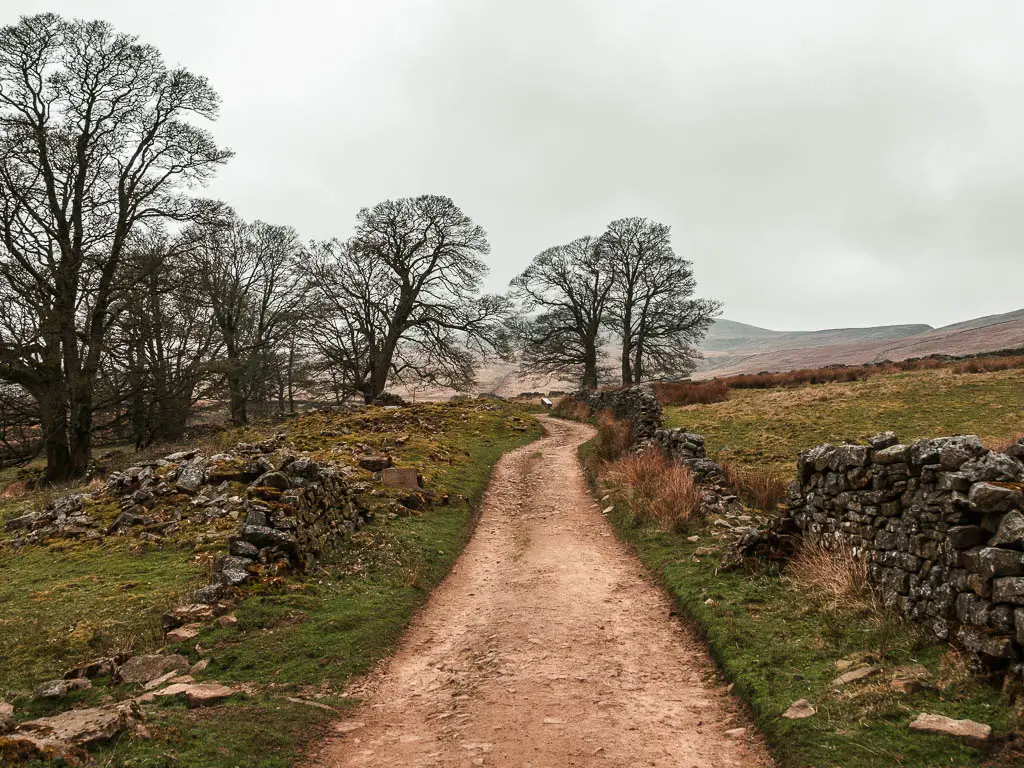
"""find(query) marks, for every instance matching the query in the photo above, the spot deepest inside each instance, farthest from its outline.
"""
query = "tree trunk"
(589, 365)
(236, 397)
(627, 349)
(53, 421)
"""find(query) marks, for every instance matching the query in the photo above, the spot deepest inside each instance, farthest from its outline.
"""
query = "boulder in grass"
(854, 675)
(968, 730)
(197, 694)
(375, 463)
(84, 726)
(142, 669)
(183, 634)
(799, 710)
(404, 477)
(51, 689)
(98, 668)
(186, 614)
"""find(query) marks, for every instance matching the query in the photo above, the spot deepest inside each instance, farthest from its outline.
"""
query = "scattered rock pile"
(941, 522)
(65, 735)
(64, 518)
(292, 511)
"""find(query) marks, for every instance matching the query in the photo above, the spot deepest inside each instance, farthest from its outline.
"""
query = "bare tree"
(96, 142)
(652, 306)
(248, 278)
(401, 300)
(163, 341)
(568, 288)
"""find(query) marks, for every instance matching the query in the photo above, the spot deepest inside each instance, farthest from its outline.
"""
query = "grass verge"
(301, 638)
(778, 643)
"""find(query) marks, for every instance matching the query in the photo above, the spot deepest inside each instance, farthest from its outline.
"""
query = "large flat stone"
(401, 477)
(961, 729)
(83, 726)
(197, 694)
(855, 674)
(799, 710)
(142, 669)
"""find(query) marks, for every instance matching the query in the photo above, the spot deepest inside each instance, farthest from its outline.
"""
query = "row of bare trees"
(627, 285)
(128, 301)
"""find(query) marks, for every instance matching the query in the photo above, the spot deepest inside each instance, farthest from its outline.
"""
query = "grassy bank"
(767, 428)
(302, 638)
(778, 643)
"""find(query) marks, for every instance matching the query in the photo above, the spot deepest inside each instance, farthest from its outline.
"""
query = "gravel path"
(546, 647)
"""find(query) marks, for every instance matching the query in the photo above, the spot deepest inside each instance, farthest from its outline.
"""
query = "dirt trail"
(546, 647)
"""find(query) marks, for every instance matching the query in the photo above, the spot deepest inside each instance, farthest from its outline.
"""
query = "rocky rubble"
(290, 510)
(941, 522)
(63, 736)
(64, 518)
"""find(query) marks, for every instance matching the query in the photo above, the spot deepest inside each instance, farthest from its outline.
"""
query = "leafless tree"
(247, 273)
(98, 139)
(652, 306)
(400, 301)
(563, 295)
(163, 341)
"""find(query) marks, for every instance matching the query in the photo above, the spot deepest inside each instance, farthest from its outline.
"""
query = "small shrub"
(655, 490)
(761, 487)
(691, 392)
(613, 437)
(835, 575)
(569, 407)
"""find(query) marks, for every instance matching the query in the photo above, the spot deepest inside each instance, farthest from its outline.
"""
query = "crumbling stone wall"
(941, 523)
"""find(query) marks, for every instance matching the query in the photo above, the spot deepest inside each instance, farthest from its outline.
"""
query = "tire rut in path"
(547, 646)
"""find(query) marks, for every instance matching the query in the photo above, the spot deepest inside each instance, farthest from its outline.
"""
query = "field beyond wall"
(768, 428)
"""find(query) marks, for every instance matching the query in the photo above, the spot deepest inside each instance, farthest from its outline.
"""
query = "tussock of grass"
(835, 576)
(654, 490)
(761, 487)
(569, 407)
(691, 392)
(613, 438)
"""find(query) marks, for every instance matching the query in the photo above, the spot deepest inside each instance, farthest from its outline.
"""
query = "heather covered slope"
(823, 348)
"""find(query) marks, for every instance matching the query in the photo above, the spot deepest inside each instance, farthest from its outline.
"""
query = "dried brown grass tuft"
(655, 490)
(613, 437)
(761, 487)
(691, 392)
(835, 575)
(569, 407)
(990, 364)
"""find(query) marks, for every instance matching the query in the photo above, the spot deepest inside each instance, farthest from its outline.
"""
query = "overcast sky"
(822, 164)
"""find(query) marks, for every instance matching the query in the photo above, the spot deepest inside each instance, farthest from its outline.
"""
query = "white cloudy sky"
(821, 163)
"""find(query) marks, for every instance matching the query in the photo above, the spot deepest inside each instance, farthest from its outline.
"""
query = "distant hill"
(733, 347)
(730, 336)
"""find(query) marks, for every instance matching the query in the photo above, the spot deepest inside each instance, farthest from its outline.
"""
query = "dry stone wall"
(637, 405)
(941, 523)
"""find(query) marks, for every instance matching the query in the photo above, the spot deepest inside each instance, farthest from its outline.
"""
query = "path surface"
(546, 647)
